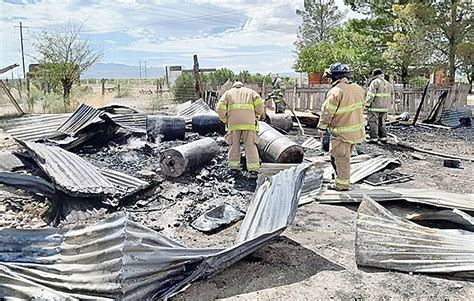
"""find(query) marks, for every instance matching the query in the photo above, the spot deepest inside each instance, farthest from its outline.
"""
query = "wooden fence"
(403, 99)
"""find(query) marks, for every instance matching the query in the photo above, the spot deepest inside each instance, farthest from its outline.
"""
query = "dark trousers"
(378, 131)
(280, 107)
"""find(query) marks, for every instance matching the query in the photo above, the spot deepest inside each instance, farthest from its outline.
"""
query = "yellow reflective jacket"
(343, 112)
(378, 95)
(240, 108)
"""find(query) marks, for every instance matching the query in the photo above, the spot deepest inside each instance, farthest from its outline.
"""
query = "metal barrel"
(207, 124)
(275, 147)
(187, 158)
(281, 121)
(165, 128)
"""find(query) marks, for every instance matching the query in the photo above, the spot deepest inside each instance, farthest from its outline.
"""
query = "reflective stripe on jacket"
(343, 112)
(378, 95)
(240, 108)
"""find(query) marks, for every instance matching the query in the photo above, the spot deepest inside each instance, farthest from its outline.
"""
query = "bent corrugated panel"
(80, 118)
(118, 258)
(124, 184)
(384, 240)
(188, 109)
(35, 127)
(71, 174)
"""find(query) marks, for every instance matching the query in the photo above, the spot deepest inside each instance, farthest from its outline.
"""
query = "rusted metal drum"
(281, 121)
(165, 128)
(207, 124)
(187, 158)
(275, 147)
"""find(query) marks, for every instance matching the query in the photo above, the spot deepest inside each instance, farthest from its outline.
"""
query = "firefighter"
(240, 108)
(277, 95)
(342, 116)
(377, 103)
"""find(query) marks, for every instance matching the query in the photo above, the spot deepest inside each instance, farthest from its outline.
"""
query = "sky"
(254, 35)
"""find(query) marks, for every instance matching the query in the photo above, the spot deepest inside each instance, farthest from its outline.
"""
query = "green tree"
(184, 88)
(449, 25)
(63, 56)
(218, 77)
(465, 53)
(408, 51)
(319, 18)
(346, 46)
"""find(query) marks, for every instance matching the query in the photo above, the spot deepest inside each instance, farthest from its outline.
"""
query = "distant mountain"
(111, 70)
(290, 74)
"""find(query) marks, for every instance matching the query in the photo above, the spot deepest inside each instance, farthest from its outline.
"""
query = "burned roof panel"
(190, 108)
(120, 259)
(68, 171)
(362, 170)
(384, 240)
(135, 122)
(452, 117)
(311, 143)
(432, 197)
(35, 127)
(82, 117)
(124, 184)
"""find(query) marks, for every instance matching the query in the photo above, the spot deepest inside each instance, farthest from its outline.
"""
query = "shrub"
(184, 88)
(156, 102)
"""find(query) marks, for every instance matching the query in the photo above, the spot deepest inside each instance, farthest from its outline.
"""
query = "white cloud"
(240, 34)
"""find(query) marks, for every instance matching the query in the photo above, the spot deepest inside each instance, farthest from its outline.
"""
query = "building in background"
(172, 73)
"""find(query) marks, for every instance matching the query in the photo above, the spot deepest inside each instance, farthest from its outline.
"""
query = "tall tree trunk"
(67, 86)
(452, 43)
(404, 75)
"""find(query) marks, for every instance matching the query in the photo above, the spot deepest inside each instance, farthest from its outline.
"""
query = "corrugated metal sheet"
(432, 197)
(120, 259)
(451, 117)
(362, 170)
(133, 122)
(27, 182)
(119, 109)
(384, 240)
(454, 216)
(35, 127)
(124, 184)
(70, 173)
(189, 109)
(311, 143)
(82, 117)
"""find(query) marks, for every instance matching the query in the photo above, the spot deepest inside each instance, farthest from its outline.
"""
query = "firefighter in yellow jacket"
(377, 103)
(240, 108)
(342, 115)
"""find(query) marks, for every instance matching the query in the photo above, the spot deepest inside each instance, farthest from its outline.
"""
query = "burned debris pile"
(123, 189)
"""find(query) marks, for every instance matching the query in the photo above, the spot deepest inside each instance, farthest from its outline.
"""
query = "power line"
(22, 49)
(203, 17)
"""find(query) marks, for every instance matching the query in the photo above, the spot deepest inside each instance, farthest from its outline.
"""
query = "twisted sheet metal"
(124, 184)
(71, 174)
(431, 197)
(135, 122)
(311, 143)
(362, 170)
(80, 118)
(452, 116)
(35, 127)
(190, 108)
(120, 259)
(384, 240)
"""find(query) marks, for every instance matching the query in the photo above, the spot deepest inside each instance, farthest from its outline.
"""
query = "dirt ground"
(314, 258)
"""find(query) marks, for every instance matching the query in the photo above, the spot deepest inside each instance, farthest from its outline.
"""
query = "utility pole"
(145, 70)
(140, 68)
(22, 51)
